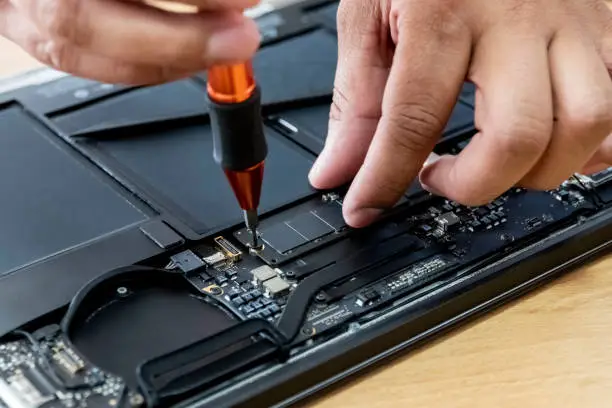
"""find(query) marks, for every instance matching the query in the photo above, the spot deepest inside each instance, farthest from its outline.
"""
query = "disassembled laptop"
(125, 274)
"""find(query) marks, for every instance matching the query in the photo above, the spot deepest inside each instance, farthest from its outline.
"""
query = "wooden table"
(550, 349)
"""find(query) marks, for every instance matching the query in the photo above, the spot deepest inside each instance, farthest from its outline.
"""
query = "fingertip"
(431, 175)
(314, 176)
(238, 40)
(360, 217)
(335, 166)
(438, 179)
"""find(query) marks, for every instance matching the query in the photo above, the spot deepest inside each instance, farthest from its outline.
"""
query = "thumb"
(364, 59)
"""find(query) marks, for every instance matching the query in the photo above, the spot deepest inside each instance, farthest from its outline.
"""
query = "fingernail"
(312, 174)
(317, 167)
(363, 217)
(431, 159)
(431, 189)
(234, 43)
(424, 178)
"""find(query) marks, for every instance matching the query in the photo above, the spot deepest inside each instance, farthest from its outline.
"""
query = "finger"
(583, 108)
(363, 67)
(140, 34)
(172, 5)
(79, 62)
(602, 159)
(430, 63)
(20, 30)
(514, 111)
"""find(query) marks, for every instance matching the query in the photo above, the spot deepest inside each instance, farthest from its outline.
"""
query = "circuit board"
(314, 278)
(43, 371)
(305, 295)
(401, 259)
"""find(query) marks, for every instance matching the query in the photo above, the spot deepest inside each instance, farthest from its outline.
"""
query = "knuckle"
(359, 21)
(349, 14)
(58, 55)
(444, 19)
(34, 45)
(59, 18)
(62, 57)
(413, 127)
(523, 137)
(591, 117)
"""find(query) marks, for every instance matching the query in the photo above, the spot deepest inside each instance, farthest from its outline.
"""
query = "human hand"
(543, 100)
(130, 41)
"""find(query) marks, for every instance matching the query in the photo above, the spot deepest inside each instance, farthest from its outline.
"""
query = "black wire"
(123, 394)
(43, 359)
(30, 338)
(591, 191)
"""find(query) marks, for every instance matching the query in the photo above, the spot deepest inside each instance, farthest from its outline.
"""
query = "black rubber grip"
(238, 135)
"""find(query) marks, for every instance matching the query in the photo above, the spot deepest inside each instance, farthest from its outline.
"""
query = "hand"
(129, 41)
(543, 100)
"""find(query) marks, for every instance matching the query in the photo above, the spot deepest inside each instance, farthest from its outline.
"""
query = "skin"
(543, 100)
(129, 41)
(541, 70)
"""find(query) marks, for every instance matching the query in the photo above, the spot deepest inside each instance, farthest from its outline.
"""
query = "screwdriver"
(239, 142)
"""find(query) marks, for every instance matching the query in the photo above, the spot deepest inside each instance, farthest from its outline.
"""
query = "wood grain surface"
(552, 348)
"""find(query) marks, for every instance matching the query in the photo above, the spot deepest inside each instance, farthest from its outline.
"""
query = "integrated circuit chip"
(263, 273)
(282, 237)
(310, 226)
(276, 286)
(331, 215)
(304, 228)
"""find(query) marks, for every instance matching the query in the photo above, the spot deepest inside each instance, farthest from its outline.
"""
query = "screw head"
(136, 400)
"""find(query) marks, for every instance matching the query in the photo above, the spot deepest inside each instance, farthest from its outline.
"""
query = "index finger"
(136, 33)
(194, 5)
(429, 66)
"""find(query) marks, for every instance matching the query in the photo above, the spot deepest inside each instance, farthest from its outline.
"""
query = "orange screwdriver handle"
(239, 141)
(231, 83)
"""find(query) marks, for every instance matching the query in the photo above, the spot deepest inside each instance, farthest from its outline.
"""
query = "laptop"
(125, 274)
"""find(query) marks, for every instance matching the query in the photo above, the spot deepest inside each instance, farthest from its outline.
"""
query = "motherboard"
(314, 278)
(39, 370)
(136, 286)
(315, 275)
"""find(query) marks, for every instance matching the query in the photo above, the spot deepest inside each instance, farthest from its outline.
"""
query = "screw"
(136, 400)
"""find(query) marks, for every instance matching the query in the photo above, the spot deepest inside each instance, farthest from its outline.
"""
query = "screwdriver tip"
(251, 220)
